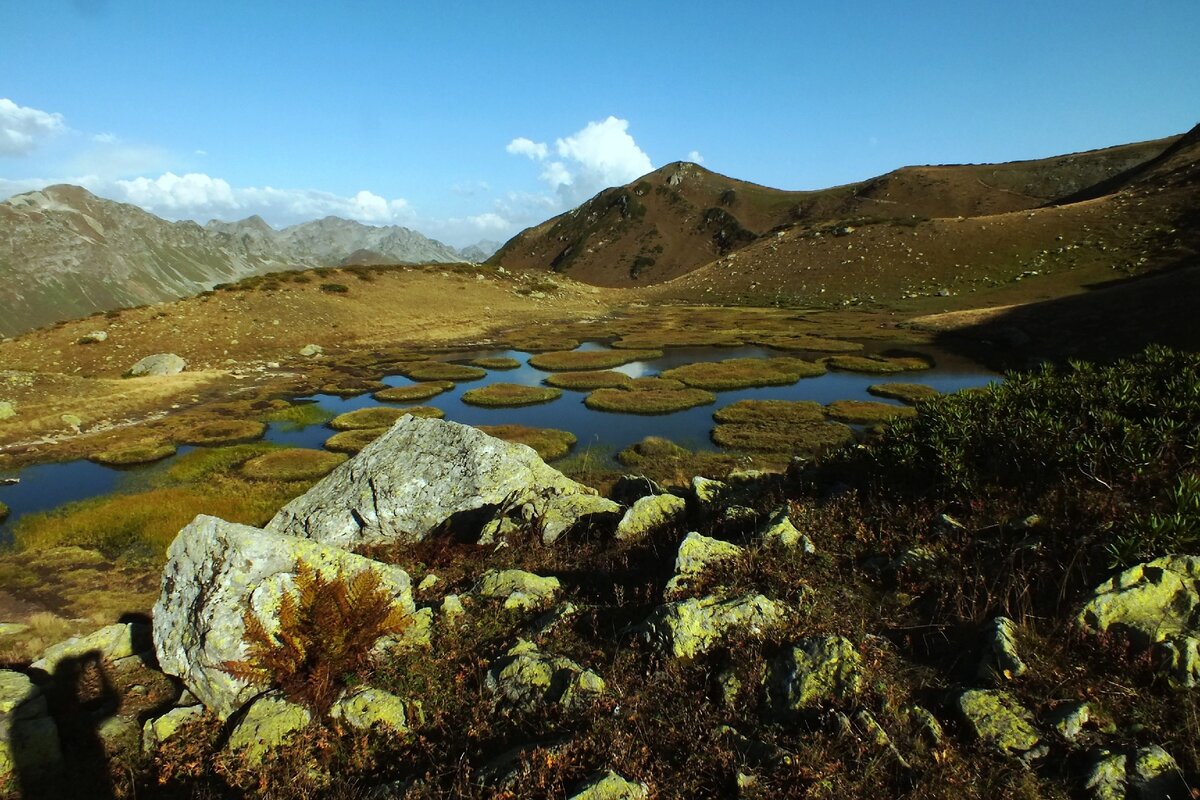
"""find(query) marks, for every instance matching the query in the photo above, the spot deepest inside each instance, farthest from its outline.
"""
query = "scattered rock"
(111, 642)
(311, 350)
(518, 589)
(630, 488)
(157, 365)
(1106, 779)
(28, 735)
(649, 514)
(452, 607)
(696, 554)
(8, 410)
(216, 570)
(998, 719)
(610, 786)
(708, 492)
(1000, 661)
(1069, 719)
(692, 627)
(816, 670)
(428, 582)
(779, 532)
(528, 678)
(95, 337)
(926, 724)
(1149, 773)
(158, 730)
(369, 708)
(423, 473)
(268, 724)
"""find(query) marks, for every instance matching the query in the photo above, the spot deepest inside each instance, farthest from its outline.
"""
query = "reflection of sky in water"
(49, 485)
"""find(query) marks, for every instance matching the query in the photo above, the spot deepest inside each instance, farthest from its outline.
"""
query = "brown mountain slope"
(682, 216)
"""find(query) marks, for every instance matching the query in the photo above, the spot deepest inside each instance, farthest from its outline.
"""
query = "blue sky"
(470, 120)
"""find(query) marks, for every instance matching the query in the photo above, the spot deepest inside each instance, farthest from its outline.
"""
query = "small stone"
(267, 725)
(157, 365)
(816, 670)
(1106, 779)
(649, 514)
(427, 583)
(997, 718)
(95, 337)
(692, 627)
(368, 708)
(927, 725)
(528, 678)
(1155, 775)
(610, 786)
(696, 554)
(8, 410)
(518, 589)
(112, 642)
(708, 492)
(1000, 660)
(311, 350)
(1069, 719)
(452, 607)
(1180, 658)
(779, 532)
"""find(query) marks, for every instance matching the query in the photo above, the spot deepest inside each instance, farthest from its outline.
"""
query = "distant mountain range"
(66, 253)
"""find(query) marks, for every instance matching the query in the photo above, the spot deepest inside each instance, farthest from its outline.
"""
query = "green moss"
(299, 415)
(223, 431)
(654, 384)
(137, 454)
(590, 359)
(806, 437)
(543, 344)
(876, 364)
(496, 363)
(742, 373)
(866, 412)
(354, 440)
(908, 392)
(292, 464)
(442, 371)
(550, 444)
(380, 417)
(202, 465)
(588, 380)
(413, 392)
(647, 401)
(510, 394)
(351, 387)
(771, 412)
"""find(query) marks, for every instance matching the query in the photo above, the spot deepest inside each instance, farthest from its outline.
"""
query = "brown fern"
(327, 629)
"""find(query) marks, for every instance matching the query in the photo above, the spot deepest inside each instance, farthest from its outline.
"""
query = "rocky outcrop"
(158, 730)
(157, 365)
(692, 627)
(527, 678)
(215, 571)
(423, 474)
(814, 671)
(698, 553)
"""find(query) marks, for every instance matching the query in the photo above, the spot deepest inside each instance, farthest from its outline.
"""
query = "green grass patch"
(866, 412)
(543, 344)
(771, 412)
(806, 342)
(876, 364)
(498, 362)
(653, 383)
(441, 371)
(292, 464)
(351, 387)
(551, 444)
(743, 373)
(572, 360)
(413, 392)
(380, 417)
(805, 437)
(136, 454)
(499, 395)
(298, 415)
(588, 380)
(656, 340)
(907, 392)
(223, 431)
(647, 401)
(210, 463)
(353, 441)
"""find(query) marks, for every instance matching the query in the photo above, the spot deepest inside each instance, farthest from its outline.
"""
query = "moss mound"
(668, 463)
(441, 371)
(743, 373)
(806, 342)
(806, 437)
(866, 412)
(647, 401)
(138, 454)
(353, 441)
(351, 387)
(590, 359)
(543, 344)
(908, 392)
(380, 417)
(298, 415)
(588, 380)
(771, 412)
(292, 464)
(499, 395)
(550, 443)
(499, 362)
(654, 383)
(678, 338)
(413, 392)
(876, 364)
(223, 431)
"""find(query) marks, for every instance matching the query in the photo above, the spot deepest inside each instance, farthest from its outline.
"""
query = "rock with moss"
(157, 365)
(528, 678)
(1000, 661)
(1149, 773)
(998, 719)
(370, 708)
(158, 730)
(518, 589)
(696, 554)
(28, 735)
(215, 571)
(1105, 780)
(422, 473)
(815, 671)
(1155, 601)
(8, 409)
(1068, 719)
(708, 492)
(1180, 659)
(610, 786)
(779, 532)
(268, 724)
(111, 643)
(693, 627)
(649, 514)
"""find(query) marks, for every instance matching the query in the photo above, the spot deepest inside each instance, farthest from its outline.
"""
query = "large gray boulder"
(425, 472)
(215, 571)
(157, 365)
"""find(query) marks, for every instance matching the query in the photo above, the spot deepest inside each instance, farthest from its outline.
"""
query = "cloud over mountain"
(22, 128)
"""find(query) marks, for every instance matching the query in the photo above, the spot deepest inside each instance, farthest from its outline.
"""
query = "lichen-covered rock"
(158, 730)
(216, 570)
(926, 725)
(311, 350)
(425, 472)
(708, 492)
(1106, 778)
(1155, 775)
(157, 365)
(696, 554)
(998, 719)
(779, 532)
(628, 489)
(28, 735)
(1155, 601)
(111, 642)
(610, 786)
(649, 514)
(527, 678)
(1000, 661)
(1068, 719)
(692, 627)
(518, 589)
(1181, 661)
(268, 724)
(368, 708)
(452, 607)
(814, 671)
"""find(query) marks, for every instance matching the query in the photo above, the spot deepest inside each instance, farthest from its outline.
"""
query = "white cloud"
(22, 128)
(105, 138)
(695, 157)
(527, 147)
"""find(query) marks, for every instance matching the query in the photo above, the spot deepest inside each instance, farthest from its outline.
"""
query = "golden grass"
(647, 401)
(498, 362)
(292, 464)
(908, 392)
(588, 380)
(413, 392)
(380, 417)
(441, 371)
(771, 412)
(658, 339)
(295, 416)
(867, 412)
(210, 463)
(353, 441)
(572, 360)
(876, 364)
(542, 344)
(510, 394)
(807, 342)
(137, 454)
(807, 437)
(550, 443)
(742, 373)
(222, 432)
(654, 383)
(351, 387)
